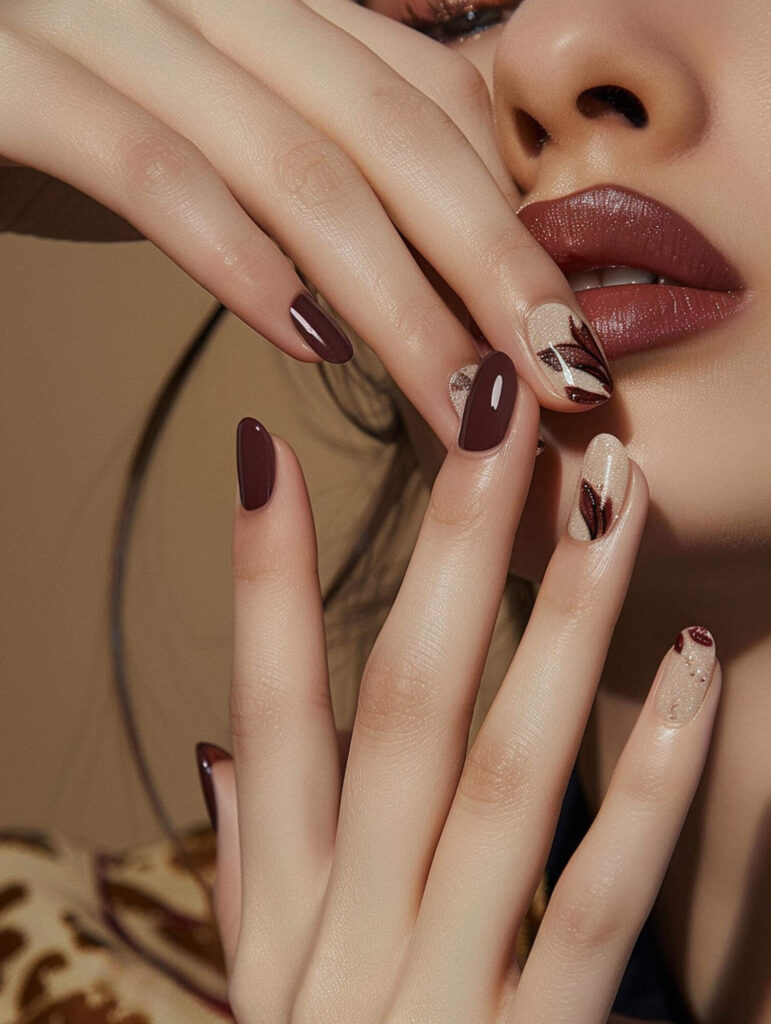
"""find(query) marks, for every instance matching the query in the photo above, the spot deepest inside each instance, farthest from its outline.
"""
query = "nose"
(582, 89)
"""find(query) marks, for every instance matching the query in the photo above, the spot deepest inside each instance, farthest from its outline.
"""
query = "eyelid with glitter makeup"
(447, 11)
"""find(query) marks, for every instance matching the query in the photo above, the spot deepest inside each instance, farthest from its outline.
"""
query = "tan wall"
(89, 331)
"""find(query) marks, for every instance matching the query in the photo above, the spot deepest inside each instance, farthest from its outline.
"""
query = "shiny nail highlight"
(207, 755)
(601, 488)
(685, 676)
(318, 330)
(489, 404)
(256, 463)
(569, 355)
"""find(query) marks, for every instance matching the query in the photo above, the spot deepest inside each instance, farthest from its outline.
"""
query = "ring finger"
(500, 826)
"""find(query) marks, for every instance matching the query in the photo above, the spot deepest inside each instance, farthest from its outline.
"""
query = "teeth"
(585, 279)
(607, 277)
(626, 275)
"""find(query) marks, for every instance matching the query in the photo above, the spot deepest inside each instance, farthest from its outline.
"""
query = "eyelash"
(452, 15)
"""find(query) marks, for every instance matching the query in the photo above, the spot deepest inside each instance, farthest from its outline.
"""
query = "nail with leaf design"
(601, 488)
(573, 363)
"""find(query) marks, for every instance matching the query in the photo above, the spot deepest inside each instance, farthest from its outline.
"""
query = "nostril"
(531, 132)
(604, 99)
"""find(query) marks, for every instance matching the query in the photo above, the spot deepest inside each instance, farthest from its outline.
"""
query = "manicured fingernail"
(320, 331)
(686, 674)
(256, 462)
(569, 354)
(601, 488)
(539, 446)
(460, 385)
(207, 755)
(489, 403)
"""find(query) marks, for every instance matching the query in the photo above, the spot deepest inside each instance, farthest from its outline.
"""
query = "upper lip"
(613, 226)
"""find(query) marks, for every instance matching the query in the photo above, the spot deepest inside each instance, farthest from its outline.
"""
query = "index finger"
(423, 170)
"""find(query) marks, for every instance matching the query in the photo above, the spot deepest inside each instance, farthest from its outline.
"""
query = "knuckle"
(462, 510)
(313, 173)
(499, 776)
(645, 785)
(157, 164)
(250, 710)
(584, 912)
(417, 320)
(396, 699)
(504, 255)
(261, 709)
(399, 118)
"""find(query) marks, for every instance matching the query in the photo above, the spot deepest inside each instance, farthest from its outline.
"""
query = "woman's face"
(687, 123)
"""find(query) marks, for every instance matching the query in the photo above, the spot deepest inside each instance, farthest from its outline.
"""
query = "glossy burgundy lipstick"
(605, 235)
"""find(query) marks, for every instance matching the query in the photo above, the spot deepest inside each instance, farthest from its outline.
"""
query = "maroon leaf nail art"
(583, 354)
(596, 511)
(584, 397)
(698, 634)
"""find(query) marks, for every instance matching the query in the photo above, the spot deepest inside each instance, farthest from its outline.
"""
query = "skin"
(695, 415)
(709, 525)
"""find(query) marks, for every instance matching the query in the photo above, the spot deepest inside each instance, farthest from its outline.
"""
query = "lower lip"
(632, 318)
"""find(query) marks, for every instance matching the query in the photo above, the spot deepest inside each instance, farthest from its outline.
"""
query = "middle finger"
(417, 697)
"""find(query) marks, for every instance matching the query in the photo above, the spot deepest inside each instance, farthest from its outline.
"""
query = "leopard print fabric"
(95, 938)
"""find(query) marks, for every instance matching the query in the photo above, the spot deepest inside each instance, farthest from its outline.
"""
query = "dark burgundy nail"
(207, 755)
(490, 403)
(256, 461)
(322, 334)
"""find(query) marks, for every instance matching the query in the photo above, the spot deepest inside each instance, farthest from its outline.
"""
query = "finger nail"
(489, 403)
(256, 463)
(686, 674)
(207, 755)
(320, 331)
(601, 488)
(569, 354)
(460, 385)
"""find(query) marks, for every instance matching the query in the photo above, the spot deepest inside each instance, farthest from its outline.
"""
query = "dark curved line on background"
(143, 453)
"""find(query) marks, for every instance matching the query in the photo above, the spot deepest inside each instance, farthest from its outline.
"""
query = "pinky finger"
(217, 772)
(608, 887)
(74, 126)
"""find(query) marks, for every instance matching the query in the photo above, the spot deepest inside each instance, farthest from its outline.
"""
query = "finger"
(284, 738)
(606, 892)
(494, 845)
(444, 75)
(98, 141)
(423, 170)
(226, 891)
(417, 696)
(298, 186)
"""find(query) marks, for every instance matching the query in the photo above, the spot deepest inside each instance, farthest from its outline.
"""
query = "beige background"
(89, 333)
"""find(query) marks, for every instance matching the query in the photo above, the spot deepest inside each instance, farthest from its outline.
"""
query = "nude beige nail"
(685, 676)
(601, 488)
(570, 357)
(460, 385)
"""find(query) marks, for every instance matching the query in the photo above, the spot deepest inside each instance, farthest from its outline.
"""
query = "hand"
(390, 888)
(250, 138)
